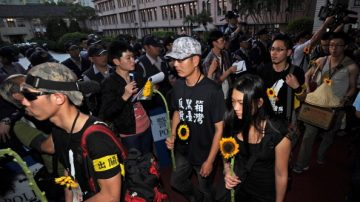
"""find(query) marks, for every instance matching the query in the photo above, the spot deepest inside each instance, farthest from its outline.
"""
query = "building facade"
(141, 17)
(20, 23)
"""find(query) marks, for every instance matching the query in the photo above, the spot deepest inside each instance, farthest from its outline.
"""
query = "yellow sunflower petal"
(270, 92)
(183, 132)
(229, 147)
(147, 89)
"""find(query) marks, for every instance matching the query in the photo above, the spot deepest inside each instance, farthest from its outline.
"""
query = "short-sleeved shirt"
(200, 106)
(260, 181)
(276, 80)
(101, 150)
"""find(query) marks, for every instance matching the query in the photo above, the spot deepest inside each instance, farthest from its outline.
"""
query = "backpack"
(143, 178)
(98, 127)
(141, 182)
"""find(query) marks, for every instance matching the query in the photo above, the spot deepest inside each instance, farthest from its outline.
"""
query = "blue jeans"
(181, 180)
(142, 142)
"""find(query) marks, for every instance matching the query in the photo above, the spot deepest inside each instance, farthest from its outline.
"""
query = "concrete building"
(141, 17)
(19, 23)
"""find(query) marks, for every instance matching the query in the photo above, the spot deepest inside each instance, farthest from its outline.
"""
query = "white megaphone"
(157, 78)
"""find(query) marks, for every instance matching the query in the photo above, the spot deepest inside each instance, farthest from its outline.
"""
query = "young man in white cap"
(51, 92)
(197, 123)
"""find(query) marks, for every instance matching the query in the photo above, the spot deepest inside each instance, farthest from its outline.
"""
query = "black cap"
(152, 40)
(231, 15)
(96, 50)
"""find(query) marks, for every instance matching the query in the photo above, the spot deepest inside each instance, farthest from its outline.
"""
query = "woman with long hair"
(261, 166)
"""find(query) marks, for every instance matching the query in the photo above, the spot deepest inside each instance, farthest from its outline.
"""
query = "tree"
(268, 11)
(74, 26)
(80, 13)
(203, 18)
(55, 28)
(300, 25)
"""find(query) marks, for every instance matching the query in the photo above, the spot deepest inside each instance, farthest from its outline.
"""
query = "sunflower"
(67, 181)
(183, 131)
(327, 81)
(147, 89)
(228, 147)
(270, 92)
(307, 49)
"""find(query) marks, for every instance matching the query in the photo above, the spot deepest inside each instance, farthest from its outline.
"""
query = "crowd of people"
(249, 87)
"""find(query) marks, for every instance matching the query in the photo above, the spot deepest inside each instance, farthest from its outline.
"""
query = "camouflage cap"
(184, 47)
(56, 72)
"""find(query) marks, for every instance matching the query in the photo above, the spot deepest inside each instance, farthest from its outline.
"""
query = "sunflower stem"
(232, 191)
(167, 126)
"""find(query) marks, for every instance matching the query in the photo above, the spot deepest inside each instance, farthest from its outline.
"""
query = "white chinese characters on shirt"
(191, 111)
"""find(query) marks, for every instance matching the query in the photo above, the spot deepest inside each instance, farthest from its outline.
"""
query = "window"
(20, 22)
(10, 22)
(356, 2)
(2, 24)
(221, 7)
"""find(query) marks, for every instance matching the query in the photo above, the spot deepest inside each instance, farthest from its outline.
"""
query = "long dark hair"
(254, 89)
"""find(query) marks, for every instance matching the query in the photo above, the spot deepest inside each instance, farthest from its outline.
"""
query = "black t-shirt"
(276, 80)
(260, 181)
(101, 150)
(200, 106)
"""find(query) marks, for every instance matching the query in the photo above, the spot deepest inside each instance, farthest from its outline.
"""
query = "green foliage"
(55, 28)
(300, 25)
(163, 34)
(74, 26)
(79, 12)
(69, 37)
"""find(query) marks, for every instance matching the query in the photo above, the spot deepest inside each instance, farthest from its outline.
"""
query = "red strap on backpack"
(99, 127)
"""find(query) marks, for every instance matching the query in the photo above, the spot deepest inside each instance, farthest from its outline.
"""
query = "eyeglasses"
(31, 96)
(277, 49)
(182, 60)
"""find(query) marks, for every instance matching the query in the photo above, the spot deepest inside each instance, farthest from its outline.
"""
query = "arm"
(68, 192)
(227, 73)
(207, 166)
(110, 189)
(316, 37)
(230, 180)
(47, 146)
(282, 153)
(111, 96)
(171, 140)
(353, 75)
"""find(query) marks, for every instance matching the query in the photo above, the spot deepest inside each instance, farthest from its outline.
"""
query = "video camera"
(339, 11)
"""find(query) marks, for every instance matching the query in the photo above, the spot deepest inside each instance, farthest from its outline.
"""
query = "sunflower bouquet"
(67, 181)
(229, 148)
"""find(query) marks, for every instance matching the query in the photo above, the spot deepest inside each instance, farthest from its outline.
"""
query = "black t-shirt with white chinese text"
(200, 106)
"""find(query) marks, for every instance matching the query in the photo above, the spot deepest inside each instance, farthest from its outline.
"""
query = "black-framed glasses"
(31, 96)
(182, 60)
